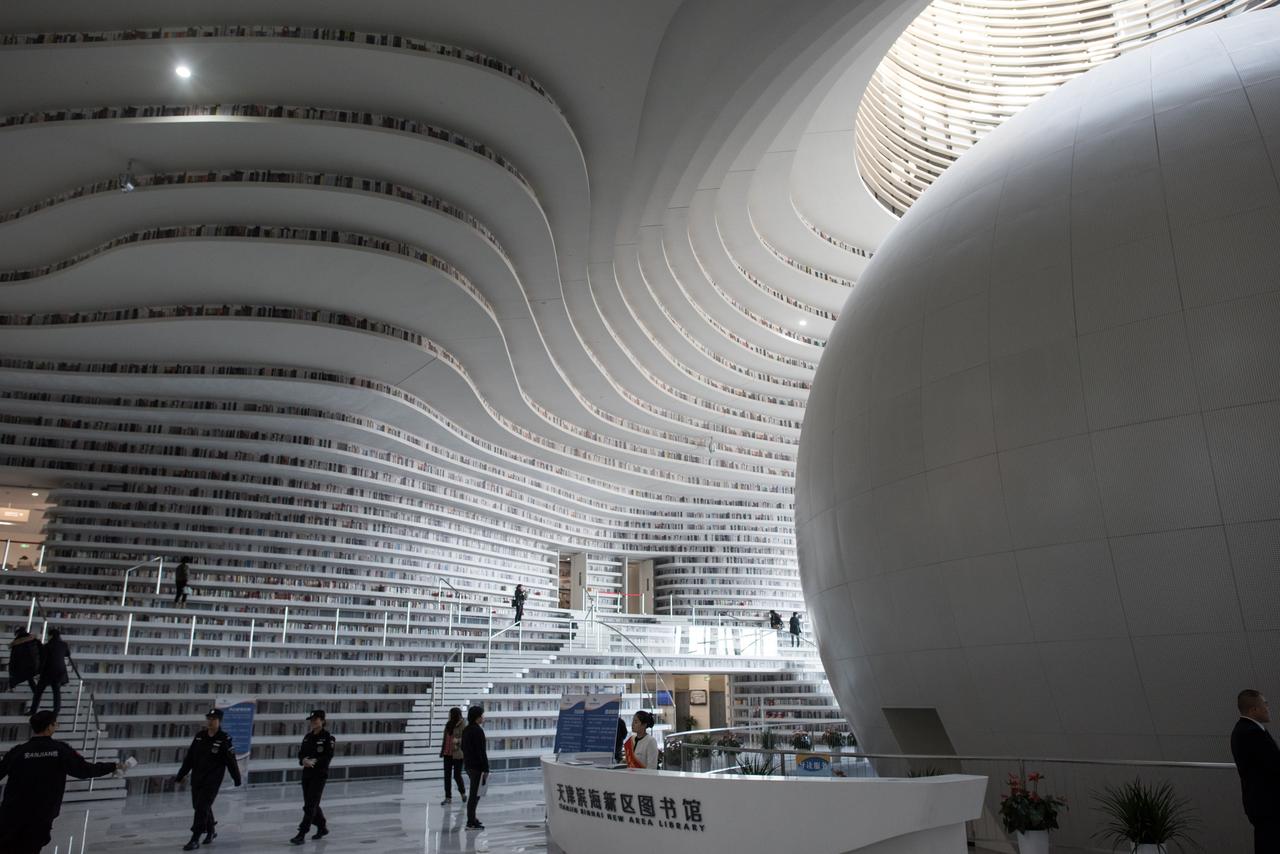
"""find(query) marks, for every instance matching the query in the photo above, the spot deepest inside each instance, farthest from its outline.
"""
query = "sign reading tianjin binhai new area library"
(650, 810)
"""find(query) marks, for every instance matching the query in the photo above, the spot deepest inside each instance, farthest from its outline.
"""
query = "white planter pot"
(1033, 842)
(1149, 849)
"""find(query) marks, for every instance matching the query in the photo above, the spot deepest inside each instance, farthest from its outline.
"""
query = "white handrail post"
(84, 831)
(40, 565)
(31, 614)
(128, 633)
(384, 628)
(488, 656)
(159, 575)
(284, 634)
(336, 612)
(5, 561)
(191, 642)
(79, 694)
(450, 609)
(44, 630)
(407, 612)
(125, 587)
(252, 625)
(520, 637)
(462, 663)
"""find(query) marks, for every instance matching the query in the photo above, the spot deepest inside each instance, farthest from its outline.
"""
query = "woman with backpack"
(451, 753)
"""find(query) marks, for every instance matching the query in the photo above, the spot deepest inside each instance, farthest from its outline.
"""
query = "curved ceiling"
(566, 268)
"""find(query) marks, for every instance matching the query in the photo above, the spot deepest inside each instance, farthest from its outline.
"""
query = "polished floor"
(381, 817)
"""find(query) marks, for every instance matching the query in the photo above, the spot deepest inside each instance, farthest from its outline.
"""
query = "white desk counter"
(595, 810)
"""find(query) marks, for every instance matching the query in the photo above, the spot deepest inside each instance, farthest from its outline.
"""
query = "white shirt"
(646, 750)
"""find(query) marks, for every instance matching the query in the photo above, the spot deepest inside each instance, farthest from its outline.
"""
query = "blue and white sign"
(588, 723)
(813, 765)
(237, 721)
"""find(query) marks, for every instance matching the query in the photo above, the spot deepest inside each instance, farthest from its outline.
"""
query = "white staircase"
(463, 686)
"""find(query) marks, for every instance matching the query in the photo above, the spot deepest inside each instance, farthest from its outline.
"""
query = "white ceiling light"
(183, 71)
(804, 322)
(34, 494)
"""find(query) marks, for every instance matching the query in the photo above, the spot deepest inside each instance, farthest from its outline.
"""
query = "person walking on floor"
(314, 756)
(517, 601)
(451, 753)
(24, 659)
(641, 749)
(53, 671)
(476, 758)
(1257, 761)
(210, 756)
(181, 577)
(37, 772)
(795, 628)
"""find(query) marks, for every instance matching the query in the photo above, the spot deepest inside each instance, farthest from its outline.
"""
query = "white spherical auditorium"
(1037, 486)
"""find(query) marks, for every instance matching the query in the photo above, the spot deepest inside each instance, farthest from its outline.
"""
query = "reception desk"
(593, 810)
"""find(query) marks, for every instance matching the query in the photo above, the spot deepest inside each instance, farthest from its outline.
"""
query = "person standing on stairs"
(517, 601)
(794, 624)
(314, 756)
(24, 659)
(53, 671)
(181, 577)
(37, 772)
(209, 757)
(476, 757)
(451, 753)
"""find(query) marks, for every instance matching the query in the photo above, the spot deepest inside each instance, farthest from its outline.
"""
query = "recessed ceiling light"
(804, 322)
(35, 493)
(182, 71)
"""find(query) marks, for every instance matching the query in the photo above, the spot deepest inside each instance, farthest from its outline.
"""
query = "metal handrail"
(124, 588)
(92, 718)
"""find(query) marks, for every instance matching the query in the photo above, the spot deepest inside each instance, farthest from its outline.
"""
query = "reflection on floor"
(380, 817)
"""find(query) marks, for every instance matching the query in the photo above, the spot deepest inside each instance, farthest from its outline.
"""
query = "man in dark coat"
(208, 758)
(24, 659)
(181, 576)
(37, 772)
(314, 756)
(53, 671)
(517, 601)
(1257, 760)
(794, 624)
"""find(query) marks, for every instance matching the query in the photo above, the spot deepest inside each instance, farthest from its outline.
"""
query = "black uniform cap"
(214, 713)
(316, 713)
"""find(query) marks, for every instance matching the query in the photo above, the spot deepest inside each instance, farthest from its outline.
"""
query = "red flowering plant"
(1024, 808)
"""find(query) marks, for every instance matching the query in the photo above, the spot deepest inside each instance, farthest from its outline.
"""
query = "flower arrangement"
(728, 739)
(800, 740)
(1025, 809)
(833, 738)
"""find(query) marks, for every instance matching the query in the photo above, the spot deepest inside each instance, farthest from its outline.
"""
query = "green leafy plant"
(1025, 809)
(768, 739)
(926, 771)
(800, 740)
(833, 738)
(690, 722)
(1141, 814)
(755, 764)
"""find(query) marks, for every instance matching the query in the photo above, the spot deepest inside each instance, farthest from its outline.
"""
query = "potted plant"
(690, 722)
(768, 739)
(1028, 814)
(1145, 817)
(730, 740)
(755, 764)
(833, 739)
(800, 740)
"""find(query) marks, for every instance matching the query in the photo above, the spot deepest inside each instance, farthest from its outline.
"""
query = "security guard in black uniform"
(37, 772)
(314, 756)
(208, 758)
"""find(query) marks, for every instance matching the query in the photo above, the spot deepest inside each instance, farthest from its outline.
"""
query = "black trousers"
(312, 791)
(795, 639)
(27, 837)
(473, 797)
(202, 798)
(1266, 837)
(519, 613)
(39, 692)
(453, 774)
